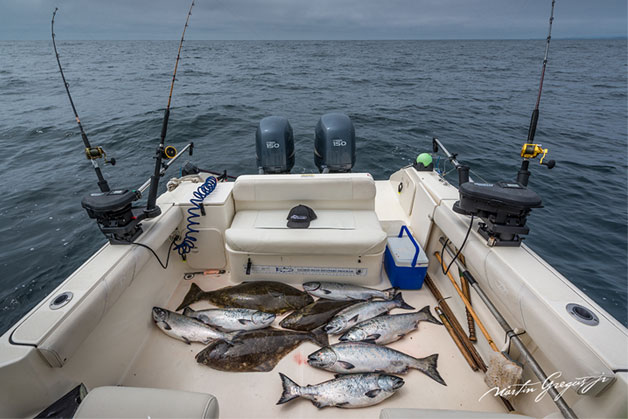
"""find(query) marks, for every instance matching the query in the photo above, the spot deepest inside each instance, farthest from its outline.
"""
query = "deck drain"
(583, 314)
(61, 300)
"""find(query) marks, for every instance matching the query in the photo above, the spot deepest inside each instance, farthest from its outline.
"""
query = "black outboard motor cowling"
(334, 143)
(274, 145)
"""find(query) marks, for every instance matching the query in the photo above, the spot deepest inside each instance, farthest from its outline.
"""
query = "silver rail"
(451, 157)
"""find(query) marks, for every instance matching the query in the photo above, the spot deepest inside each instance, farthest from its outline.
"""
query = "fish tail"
(390, 292)
(400, 303)
(427, 366)
(427, 314)
(188, 312)
(193, 295)
(319, 335)
(290, 389)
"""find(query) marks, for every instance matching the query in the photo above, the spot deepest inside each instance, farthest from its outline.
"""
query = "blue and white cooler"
(405, 261)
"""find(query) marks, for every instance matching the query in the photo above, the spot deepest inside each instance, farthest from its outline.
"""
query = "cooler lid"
(403, 251)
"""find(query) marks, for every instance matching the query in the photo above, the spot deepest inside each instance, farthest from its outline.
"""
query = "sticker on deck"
(306, 270)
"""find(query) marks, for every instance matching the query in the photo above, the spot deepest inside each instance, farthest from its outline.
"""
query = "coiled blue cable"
(200, 194)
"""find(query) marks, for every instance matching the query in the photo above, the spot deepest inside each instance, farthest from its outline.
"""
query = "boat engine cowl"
(274, 145)
(502, 206)
(334, 143)
(115, 215)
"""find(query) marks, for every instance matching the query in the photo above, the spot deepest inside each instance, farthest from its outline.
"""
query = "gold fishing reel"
(170, 152)
(93, 153)
(530, 151)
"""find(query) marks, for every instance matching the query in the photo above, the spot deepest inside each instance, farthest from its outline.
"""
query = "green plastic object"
(424, 158)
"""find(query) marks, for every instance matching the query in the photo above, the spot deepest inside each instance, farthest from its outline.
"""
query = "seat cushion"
(335, 232)
(136, 402)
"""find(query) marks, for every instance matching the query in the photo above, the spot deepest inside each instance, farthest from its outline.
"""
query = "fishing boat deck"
(164, 362)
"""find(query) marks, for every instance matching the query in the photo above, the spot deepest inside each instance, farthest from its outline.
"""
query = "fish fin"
(193, 295)
(402, 304)
(373, 393)
(326, 291)
(427, 366)
(319, 405)
(319, 335)
(343, 404)
(290, 389)
(373, 337)
(401, 336)
(166, 326)
(428, 315)
(186, 340)
(244, 321)
(232, 336)
(354, 319)
(391, 292)
(346, 365)
(188, 312)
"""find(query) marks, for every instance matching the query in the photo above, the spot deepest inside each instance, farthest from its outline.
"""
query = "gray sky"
(312, 19)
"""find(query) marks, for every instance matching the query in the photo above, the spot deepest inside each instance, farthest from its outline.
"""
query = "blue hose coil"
(200, 194)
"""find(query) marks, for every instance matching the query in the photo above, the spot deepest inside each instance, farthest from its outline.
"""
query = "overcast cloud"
(312, 19)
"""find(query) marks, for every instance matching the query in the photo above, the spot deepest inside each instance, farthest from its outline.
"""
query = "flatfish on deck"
(314, 315)
(267, 296)
(256, 350)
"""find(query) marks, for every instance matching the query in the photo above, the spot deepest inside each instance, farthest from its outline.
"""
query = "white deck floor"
(247, 395)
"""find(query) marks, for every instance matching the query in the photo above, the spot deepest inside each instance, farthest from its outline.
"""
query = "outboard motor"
(274, 145)
(334, 143)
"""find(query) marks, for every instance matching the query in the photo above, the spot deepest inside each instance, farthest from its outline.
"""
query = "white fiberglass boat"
(91, 348)
(96, 328)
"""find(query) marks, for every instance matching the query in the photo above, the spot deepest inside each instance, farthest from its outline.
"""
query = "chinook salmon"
(231, 319)
(267, 296)
(257, 350)
(187, 329)
(361, 357)
(350, 316)
(346, 292)
(314, 315)
(388, 328)
(346, 391)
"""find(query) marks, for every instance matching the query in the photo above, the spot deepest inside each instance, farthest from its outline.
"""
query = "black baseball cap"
(300, 216)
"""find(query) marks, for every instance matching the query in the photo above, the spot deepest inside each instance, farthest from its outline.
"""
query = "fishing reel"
(530, 151)
(93, 153)
(169, 152)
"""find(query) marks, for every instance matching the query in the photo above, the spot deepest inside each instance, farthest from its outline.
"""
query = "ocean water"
(476, 96)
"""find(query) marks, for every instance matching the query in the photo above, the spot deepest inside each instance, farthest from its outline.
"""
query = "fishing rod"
(152, 210)
(529, 149)
(92, 153)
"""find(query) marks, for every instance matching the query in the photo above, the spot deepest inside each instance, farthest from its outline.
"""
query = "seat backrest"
(322, 191)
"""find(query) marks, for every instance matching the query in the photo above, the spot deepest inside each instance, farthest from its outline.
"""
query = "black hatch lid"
(510, 193)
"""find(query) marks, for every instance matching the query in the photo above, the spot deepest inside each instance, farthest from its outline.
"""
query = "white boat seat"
(345, 241)
(346, 222)
(337, 232)
(136, 402)
(444, 414)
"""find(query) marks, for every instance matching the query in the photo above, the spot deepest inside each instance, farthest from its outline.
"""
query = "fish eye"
(311, 286)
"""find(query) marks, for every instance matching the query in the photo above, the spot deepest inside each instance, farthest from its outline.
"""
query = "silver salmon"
(361, 357)
(346, 292)
(346, 391)
(186, 328)
(231, 319)
(350, 316)
(388, 328)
